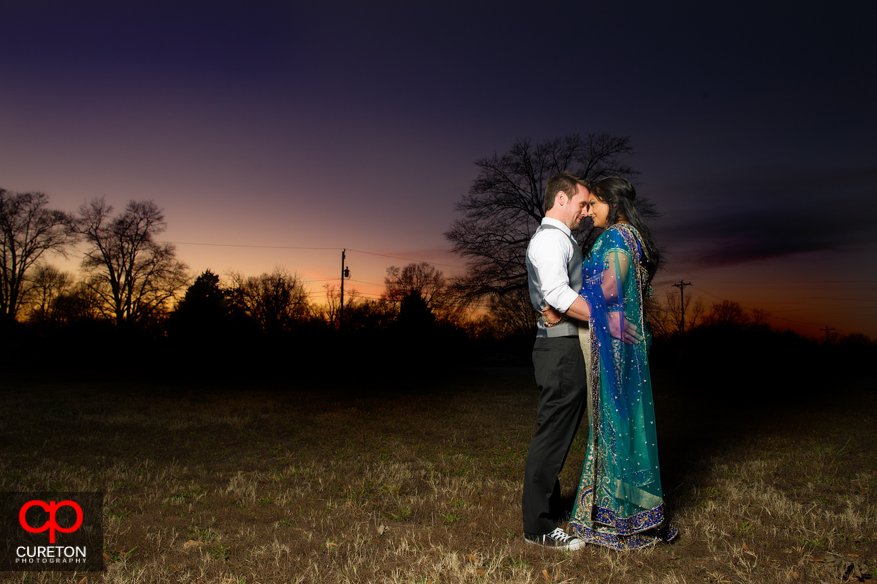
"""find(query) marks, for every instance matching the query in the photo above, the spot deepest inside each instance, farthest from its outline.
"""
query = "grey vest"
(574, 270)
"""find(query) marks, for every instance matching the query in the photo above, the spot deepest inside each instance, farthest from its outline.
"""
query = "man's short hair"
(562, 181)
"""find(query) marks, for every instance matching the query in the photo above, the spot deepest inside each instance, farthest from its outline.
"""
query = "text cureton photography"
(51, 531)
(51, 554)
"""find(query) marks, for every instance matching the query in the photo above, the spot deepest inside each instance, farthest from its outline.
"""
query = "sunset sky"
(280, 133)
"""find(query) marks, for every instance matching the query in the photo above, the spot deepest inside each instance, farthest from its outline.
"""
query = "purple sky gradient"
(355, 125)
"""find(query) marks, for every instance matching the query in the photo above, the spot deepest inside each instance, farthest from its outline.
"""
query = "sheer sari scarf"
(619, 497)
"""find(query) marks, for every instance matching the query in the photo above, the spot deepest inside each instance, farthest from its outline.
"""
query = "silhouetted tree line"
(263, 325)
(134, 306)
(728, 346)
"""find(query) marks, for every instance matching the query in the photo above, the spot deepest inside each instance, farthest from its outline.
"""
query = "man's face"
(576, 208)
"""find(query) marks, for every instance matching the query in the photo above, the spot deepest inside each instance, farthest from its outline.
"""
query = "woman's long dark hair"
(619, 194)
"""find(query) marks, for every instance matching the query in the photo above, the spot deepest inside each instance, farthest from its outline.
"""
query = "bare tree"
(855, 340)
(79, 304)
(275, 301)
(690, 313)
(512, 314)
(727, 313)
(369, 315)
(660, 318)
(759, 318)
(48, 283)
(28, 229)
(504, 208)
(420, 279)
(134, 276)
(329, 311)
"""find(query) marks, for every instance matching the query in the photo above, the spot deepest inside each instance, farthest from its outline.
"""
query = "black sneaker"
(557, 539)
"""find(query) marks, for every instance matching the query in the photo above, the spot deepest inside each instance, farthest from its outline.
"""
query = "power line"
(311, 248)
(241, 245)
(406, 259)
(364, 282)
(702, 291)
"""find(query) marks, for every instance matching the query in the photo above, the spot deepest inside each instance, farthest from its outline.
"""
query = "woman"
(619, 502)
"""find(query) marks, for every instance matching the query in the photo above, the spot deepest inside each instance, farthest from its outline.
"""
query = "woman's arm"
(579, 310)
(617, 263)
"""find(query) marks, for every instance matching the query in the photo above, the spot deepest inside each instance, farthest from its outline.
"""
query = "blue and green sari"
(619, 502)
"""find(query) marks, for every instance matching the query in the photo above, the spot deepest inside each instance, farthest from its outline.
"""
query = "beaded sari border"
(622, 542)
(624, 526)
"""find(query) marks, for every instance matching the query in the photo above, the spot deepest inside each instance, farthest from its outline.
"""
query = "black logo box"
(39, 554)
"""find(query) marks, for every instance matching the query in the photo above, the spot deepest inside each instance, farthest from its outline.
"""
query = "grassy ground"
(420, 482)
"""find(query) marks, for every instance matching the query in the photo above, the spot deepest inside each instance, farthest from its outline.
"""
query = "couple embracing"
(591, 354)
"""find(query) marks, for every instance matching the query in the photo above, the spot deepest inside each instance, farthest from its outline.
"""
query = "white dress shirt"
(550, 251)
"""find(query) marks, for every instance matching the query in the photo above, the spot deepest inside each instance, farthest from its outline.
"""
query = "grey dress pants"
(562, 380)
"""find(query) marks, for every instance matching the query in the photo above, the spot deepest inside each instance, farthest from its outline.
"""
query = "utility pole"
(681, 285)
(825, 330)
(345, 273)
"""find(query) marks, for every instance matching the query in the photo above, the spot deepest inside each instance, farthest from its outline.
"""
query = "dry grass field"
(419, 480)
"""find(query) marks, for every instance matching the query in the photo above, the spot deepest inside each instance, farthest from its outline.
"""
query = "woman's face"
(598, 211)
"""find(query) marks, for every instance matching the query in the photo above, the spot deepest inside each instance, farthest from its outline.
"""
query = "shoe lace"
(560, 535)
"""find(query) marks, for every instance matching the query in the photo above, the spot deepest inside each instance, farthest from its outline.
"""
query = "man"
(554, 271)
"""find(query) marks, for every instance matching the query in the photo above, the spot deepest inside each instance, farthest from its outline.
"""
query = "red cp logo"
(51, 508)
